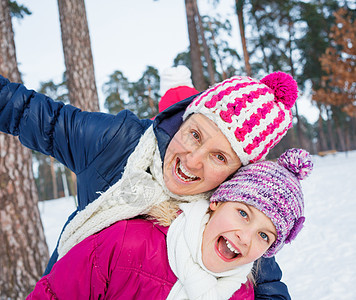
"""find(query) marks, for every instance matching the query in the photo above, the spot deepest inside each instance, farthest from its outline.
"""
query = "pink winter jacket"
(127, 260)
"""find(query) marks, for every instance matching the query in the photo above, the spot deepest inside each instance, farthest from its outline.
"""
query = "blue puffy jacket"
(96, 146)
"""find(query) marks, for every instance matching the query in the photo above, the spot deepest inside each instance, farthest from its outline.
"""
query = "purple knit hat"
(274, 189)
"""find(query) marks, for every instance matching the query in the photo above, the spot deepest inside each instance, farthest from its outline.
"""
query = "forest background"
(290, 36)
(314, 41)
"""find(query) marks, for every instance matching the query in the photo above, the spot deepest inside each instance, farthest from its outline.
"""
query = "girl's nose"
(244, 236)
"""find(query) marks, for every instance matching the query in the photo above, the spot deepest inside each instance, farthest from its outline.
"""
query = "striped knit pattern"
(247, 113)
(274, 189)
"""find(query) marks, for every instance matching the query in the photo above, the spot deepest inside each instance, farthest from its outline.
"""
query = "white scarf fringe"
(184, 241)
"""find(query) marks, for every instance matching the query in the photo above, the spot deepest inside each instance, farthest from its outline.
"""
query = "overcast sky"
(125, 35)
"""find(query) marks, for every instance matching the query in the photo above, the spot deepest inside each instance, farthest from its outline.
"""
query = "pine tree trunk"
(240, 17)
(205, 45)
(23, 249)
(299, 123)
(150, 100)
(347, 136)
(340, 133)
(223, 72)
(322, 139)
(330, 130)
(54, 180)
(299, 127)
(261, 46)
(353, 132)
(77, 55)
(195, 55)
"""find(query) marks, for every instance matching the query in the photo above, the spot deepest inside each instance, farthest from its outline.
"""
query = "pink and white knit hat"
(253, 115)
(274, 189)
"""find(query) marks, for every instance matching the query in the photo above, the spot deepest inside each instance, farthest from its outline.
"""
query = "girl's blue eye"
(264, 236)
(243, 213)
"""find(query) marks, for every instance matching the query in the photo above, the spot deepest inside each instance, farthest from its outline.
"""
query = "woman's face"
(236, 234)
(198, 158)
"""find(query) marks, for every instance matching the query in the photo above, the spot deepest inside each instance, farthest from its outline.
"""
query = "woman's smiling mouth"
(183, 173)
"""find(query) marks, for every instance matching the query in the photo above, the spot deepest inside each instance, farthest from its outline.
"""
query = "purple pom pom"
(298, 225)
(285, 88)
(297, 161)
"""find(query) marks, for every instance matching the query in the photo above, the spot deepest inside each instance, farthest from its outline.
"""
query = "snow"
(321, 262)
(54, 214)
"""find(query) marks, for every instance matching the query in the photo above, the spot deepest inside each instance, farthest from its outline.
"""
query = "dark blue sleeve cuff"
(268, 277)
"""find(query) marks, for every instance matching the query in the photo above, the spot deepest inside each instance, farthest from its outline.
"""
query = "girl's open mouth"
(226, 250)
(183, 173)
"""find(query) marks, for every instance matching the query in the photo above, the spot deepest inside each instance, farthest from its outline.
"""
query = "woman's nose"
(195, 159)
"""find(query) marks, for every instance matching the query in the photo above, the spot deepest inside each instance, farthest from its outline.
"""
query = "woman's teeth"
(184, 174)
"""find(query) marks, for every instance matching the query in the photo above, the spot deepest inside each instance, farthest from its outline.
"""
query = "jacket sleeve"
(268, 281)
(72, 136)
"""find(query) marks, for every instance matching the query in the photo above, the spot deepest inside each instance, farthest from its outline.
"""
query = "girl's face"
(198, 158)
(236, 234)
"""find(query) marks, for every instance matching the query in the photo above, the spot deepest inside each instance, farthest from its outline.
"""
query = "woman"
(128, 165)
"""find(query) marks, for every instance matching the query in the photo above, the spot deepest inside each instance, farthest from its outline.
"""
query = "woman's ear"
(214, 205)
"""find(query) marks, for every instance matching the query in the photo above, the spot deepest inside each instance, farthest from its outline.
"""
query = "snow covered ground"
(321, 262)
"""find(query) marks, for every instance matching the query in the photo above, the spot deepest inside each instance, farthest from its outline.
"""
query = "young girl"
(208, 251)
(124, 165)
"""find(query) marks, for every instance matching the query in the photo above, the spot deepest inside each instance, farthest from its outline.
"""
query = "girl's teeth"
(232, 249)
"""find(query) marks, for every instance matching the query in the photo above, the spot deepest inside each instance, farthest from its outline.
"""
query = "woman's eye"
(221, 157)
(195, 135)
(243, 213)
(264, 236)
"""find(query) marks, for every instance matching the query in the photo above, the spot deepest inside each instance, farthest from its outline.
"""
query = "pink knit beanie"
(253, 115)
(274, 189)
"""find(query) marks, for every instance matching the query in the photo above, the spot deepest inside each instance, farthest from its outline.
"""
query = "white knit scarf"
(134, 194)
(184, 240)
